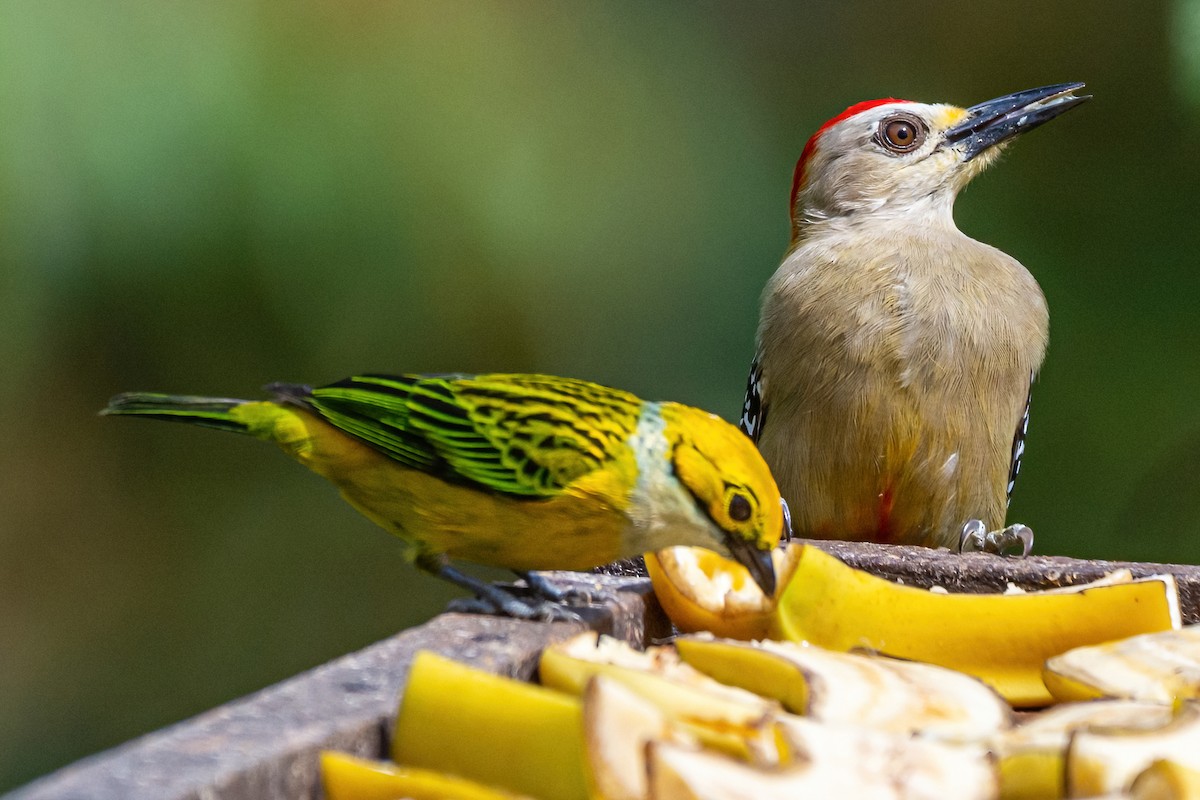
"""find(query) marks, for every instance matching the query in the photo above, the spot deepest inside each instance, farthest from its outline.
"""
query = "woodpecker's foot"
(1013, 540)
(787, 522)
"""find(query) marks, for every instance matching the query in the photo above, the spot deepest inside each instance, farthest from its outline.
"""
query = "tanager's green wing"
(528, 435)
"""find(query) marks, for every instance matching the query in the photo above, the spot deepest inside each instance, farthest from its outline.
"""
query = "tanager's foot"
(543, 587)
(491, 598)
(515, 607)
(1012, 540)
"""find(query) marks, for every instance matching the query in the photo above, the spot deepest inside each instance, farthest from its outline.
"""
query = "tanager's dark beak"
(758, 562)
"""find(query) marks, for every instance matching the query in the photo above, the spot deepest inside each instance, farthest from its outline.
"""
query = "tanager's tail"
(222, 413)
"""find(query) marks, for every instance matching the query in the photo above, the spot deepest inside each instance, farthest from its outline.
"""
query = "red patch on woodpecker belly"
(883, 515)
(866, 523)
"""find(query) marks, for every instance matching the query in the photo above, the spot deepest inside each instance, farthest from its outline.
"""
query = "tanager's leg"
(491, 598)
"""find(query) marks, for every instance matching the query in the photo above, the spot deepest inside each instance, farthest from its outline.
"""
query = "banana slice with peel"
(347, 777)
(657, 674)
(1031, 756)
(1002, 639)
(1166, 780)
(921, 769)
(701, 591)
(1159, 667)
(498, 731)
(678, 772)
(618, 724)
(1110, 759)
(848, 688)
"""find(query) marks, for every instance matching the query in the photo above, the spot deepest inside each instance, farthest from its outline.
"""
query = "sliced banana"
(1159, 667)
(1002, 639)
(849, 688)
(1108, 760)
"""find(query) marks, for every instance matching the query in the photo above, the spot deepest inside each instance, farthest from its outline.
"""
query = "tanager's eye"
(739, 508)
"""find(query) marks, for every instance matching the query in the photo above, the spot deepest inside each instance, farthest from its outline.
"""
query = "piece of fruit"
(921, 768)
(617, 725)
(701, 591)
(572, 661)
(850, 688)
(658, 675)
(494, 730)
(1003, 639)
(677, 772)
(722, 717)
(1031, 755)
(1108, 760)
(1160, 667)
(347, 777)
(1166, 780)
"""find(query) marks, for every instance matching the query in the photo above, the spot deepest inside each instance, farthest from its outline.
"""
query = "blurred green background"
(203, 197)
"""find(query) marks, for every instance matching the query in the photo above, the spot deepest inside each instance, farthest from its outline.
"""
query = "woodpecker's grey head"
(899, 157)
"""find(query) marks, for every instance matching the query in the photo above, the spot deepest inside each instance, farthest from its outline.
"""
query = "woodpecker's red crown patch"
(811, 145)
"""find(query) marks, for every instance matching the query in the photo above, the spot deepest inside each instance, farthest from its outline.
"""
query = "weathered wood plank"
(265, 746)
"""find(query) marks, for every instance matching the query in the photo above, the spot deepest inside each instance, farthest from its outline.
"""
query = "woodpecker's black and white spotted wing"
(754, 410)
(1018, 448)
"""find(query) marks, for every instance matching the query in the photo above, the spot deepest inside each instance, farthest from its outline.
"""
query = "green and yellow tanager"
(526, 472)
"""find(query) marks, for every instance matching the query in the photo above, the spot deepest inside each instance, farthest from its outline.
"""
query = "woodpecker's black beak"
(758, 562)
(1001, 119)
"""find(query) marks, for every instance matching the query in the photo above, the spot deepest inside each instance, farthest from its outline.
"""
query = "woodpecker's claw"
(976, 538)
(973, 536)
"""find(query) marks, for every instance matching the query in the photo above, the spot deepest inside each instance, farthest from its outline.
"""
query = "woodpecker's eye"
(739, 508)
(902, 133)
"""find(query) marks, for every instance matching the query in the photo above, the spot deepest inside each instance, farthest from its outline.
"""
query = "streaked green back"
(529, 435)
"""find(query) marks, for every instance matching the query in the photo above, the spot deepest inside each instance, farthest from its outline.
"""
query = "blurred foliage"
(205, 197)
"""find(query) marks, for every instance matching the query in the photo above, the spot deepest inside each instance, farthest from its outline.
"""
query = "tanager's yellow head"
(722, 470)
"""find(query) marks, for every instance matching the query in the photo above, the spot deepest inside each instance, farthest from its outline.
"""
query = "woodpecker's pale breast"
(897, 362)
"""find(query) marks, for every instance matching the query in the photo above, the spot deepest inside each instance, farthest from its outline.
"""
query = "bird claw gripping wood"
(787, 523)
(540, 598)
(1013, 540)
(515, 608)
(548, 603)
(566, 595)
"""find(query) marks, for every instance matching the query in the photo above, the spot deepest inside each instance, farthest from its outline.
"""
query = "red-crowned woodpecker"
(890, 387)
